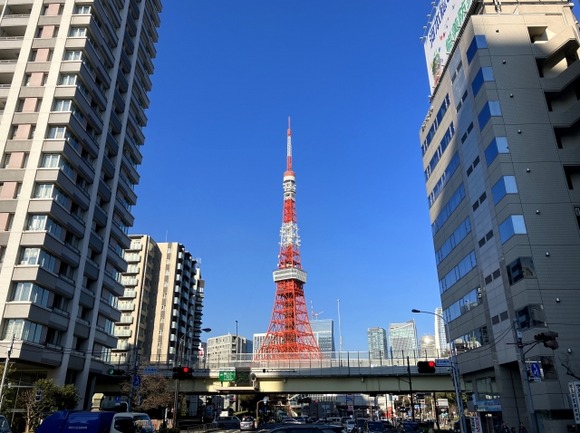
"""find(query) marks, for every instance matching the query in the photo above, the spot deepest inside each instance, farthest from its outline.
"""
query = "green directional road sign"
(227, 375)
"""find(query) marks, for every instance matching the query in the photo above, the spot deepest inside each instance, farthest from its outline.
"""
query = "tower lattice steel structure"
(289, 333)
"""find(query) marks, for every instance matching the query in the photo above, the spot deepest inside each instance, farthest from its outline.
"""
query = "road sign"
(227, 375)
(443, 362)
(150, 370)
(137, 381)
(534, 371)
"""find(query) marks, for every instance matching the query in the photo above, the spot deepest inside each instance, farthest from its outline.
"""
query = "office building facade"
(73, 89)
(502, 168)
(323, 330)
(225, 350)
(377, 342)
(403, 340)
(441, 346)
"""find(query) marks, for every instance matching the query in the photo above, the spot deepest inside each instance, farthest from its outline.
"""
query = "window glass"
(484, 74)
(498, 145)
(452, 241)
(522, 267)
(477, 42)
(492, 108)
(506, 185)
(513, 225)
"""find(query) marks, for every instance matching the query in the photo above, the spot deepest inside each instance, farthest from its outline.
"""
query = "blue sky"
(352, 76)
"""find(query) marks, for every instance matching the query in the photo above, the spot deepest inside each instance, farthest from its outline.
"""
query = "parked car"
(409, 427)
(247, 423)
(308, 428)
(290, 420)
(374, 427)
(227, 422)
(349, 425)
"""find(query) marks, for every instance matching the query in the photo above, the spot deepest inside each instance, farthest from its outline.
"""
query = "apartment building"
(178, 307)
(74, 78)
(502, 168)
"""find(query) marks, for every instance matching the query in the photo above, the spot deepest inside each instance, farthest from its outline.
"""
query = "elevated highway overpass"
(347, 374)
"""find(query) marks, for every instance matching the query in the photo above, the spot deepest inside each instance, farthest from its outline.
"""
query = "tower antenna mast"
(289, 334)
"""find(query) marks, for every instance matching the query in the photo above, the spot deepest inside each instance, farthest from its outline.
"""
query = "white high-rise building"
(73, 92)
(441, 347)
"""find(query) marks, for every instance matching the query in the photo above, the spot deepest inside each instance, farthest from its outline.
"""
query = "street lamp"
(454, 370)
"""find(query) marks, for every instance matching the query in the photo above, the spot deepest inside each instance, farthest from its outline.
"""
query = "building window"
(452, 241)
(56, 132)
(83, 10)
(513, 225)
(38, 223)
(458, 272)
(77, 32)
(23, 330)
(531, 316)
(473, 340)
(67, 80)
(498, 145)
(491, 108)
(465, 304)
(449, 171)
(448, 209)
(73, 55)
(62, 105)
(38, 257)
(506, 185)
(477, 42)
(483, 75)
(29, 292)
(522, 267)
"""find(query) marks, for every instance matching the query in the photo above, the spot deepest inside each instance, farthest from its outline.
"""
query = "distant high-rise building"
(441, 347)
(258, 339)
(74, 82)
(224, 349)
(377, 340)
(427, 348)
(500, 146)
(323, 330)
(403, 339)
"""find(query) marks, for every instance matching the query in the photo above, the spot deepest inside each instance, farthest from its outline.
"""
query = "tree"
(151, 394)
(44, 398)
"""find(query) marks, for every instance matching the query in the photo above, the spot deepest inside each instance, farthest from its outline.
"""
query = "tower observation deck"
(289, 334)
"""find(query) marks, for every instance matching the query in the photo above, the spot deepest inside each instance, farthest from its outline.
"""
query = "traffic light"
(426, 367)
(181, 373)
(548, 338)
(115, 372)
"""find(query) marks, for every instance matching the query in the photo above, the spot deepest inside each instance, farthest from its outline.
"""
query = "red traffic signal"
(181, 373)
(426, 367)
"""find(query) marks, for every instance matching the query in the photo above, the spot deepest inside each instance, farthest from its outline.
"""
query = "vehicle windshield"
(375, 426)
(143, 424)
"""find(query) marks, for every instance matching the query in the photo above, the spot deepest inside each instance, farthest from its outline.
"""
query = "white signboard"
(446, 21)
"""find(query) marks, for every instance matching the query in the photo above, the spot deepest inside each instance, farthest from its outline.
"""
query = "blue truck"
(96, 422)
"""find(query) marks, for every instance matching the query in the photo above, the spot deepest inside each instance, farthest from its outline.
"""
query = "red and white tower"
(289, 333)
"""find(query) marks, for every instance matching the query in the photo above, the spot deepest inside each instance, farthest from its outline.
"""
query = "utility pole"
(411, 389)
(524, 375)
(6, 364)
(135, 380)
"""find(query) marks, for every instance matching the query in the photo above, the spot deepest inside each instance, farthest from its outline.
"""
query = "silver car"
(247, 423)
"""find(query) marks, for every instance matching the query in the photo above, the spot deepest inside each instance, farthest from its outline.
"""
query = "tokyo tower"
(289, 334)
